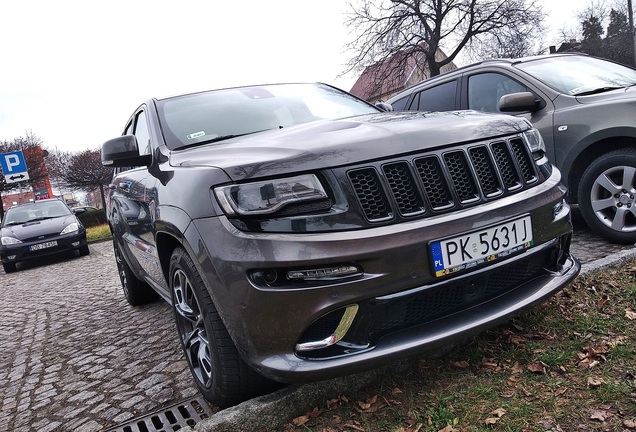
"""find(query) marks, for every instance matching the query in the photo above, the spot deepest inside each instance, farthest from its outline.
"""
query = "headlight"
(10, 241)
(269, 196)
(74, 227)
(535, 140)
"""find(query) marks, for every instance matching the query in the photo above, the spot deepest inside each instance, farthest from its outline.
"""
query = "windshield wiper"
(596, 91)
(42, 218)
(219, 138)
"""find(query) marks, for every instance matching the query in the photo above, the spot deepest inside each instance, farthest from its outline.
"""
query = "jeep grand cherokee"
(300, 233)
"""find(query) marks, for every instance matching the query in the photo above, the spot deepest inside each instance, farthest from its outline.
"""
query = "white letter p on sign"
(12, 161)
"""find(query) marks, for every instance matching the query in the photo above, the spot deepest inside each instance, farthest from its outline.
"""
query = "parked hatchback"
(301, 233)
(32, 230)
(583, 106)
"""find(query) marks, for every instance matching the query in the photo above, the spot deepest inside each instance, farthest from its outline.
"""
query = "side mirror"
(522, 101)
(386, 107)
(123, 151)
(78, 211)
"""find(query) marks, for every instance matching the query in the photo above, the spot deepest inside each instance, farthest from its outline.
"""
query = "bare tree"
(505, 44)
(34, 156)
(385, 28)
(81, 171)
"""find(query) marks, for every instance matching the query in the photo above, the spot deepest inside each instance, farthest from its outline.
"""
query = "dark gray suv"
(585, 109)
(301, 233)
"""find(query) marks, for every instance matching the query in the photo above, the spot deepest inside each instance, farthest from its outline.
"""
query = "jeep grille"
(442, 181)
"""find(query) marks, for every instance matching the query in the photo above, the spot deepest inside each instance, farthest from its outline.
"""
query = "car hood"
(38, 228)
(343, 142)
(609, 96)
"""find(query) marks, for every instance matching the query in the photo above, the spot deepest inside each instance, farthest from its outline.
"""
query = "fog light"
(323, 273)
(11, 257)
(75, 243)
(270, 276)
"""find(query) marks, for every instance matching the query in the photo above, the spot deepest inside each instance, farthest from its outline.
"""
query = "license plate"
(44, 245)
(478, 247)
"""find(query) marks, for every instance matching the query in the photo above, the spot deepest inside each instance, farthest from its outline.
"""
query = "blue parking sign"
(12, 162)
(14, 167)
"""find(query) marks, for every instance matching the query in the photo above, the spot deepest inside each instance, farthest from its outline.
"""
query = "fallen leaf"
(491, 420)
(537, 367)
(372, 405)
(598, 415)
(366, 405)
(514, 379)
(629, 424)
(299, 421)
(448, 429)
(396, 391)
(630, 314)
(595, 382)
(354, 427)
(463, 364)
(490, 364)
(508, 394)
(499, 412)
(517, 368)
(516, 340)
(315, 412)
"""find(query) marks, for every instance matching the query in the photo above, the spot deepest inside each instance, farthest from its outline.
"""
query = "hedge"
(93, 218)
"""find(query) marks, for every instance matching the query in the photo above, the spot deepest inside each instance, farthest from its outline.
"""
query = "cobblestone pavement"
(74, 356)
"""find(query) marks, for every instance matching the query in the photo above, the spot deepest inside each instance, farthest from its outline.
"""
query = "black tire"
(83, 251)
(220, 373)
(137, 292)
(9, 267)
(607, 196)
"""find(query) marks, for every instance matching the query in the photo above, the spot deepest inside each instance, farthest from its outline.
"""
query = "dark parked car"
(584, 108)
(301, 233)
(39, 228)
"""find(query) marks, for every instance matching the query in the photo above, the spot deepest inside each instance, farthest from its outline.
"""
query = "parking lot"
(75, 356)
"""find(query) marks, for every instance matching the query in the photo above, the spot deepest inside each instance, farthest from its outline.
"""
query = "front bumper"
(402, 308)
(22, 251)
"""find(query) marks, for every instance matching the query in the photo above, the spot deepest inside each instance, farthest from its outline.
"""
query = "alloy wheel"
(191, 328)
(613, 198)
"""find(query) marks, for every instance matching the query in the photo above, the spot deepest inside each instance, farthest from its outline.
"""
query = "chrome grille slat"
(444, 180)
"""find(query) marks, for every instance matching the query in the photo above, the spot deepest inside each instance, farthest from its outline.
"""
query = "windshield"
(578, 75)
(37, 210)
(222, 114)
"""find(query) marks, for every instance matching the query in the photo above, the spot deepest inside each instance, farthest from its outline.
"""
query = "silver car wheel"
(613, 197)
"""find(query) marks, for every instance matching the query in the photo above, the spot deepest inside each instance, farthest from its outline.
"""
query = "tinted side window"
(485, 90)
(400, 104)
(438, 98)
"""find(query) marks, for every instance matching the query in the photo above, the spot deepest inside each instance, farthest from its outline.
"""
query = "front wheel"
(607, 196)
(9, 267)
(220, 373)
(84, 250)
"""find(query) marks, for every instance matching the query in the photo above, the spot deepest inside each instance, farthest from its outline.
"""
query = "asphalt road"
(74, 356)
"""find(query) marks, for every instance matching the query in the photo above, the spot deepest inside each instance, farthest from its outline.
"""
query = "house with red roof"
(381, 80)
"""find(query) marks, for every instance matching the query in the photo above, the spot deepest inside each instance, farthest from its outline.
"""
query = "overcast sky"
(72, 71)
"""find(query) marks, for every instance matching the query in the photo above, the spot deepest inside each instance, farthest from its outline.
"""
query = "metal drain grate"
(173, 418)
